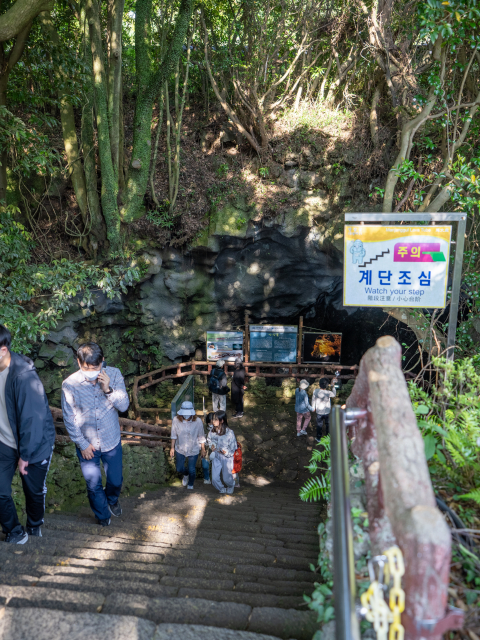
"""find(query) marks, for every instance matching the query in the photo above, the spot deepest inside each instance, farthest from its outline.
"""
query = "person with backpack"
(27, 437)
(322, 405)
(302, 408)
(223, 444)
(218, 386)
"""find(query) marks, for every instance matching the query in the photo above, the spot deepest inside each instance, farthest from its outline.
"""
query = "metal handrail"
(346, 623)
(190, 381)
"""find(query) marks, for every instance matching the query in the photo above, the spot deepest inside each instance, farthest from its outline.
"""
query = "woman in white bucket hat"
(188, 438)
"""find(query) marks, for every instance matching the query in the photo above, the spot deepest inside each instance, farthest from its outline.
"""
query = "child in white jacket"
(223, 444)
(322, 405)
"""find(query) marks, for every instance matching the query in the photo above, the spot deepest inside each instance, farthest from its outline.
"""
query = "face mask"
(91, 375)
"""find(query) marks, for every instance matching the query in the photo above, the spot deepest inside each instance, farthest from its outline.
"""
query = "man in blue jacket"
(27, 437)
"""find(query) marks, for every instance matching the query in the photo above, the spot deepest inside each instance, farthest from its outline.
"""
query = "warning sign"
(396, 266)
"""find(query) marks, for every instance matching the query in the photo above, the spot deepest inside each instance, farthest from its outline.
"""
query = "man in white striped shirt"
(91, 400)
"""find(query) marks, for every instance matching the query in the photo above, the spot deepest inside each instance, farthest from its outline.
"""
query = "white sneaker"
(189, 487)
(303, 432)
(185, 481)
(230, 490)
(222, 491)
(207, 481)
(299, 433)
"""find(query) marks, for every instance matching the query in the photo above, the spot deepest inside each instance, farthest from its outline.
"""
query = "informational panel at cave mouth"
(272, 343)
(396, 266)
(224, 345)
(318, 347)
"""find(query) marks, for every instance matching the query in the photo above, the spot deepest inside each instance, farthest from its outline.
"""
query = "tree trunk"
(109, 189)
(148, 90)
(3, 152)
(373, 114)
(21, 14)
(75, 169)
(98, 231)
(115, 18)
(409, 130)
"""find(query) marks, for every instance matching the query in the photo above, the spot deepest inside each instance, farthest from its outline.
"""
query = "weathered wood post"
(400, 499)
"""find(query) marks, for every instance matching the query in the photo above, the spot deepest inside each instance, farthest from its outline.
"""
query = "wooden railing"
(132, 432)
(253, 369)
(400, 499)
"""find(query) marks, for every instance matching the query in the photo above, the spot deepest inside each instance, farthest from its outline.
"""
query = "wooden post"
(247, 337)
(299, 346)
(400, 499)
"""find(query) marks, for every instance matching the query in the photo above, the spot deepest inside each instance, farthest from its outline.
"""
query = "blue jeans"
(206, 468)
(191, 461)
(99, 497)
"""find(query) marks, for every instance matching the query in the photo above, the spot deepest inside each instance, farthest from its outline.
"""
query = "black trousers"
(237, 399)
(320, 420)
(34, 488)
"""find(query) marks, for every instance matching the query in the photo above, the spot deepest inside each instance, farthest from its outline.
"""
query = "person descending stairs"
(175, 564)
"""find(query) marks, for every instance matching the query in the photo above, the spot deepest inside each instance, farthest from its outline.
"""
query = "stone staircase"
(177, 563)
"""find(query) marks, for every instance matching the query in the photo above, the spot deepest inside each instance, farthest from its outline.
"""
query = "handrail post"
(346, 624)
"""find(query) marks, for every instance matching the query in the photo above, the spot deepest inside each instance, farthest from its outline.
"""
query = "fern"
(318, 487)
(472, 495)
(315, 488)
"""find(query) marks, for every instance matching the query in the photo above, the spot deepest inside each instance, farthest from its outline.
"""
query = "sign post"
(403, 265)
(300, 333)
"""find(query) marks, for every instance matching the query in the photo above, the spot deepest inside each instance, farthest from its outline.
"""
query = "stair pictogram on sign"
(380, 255)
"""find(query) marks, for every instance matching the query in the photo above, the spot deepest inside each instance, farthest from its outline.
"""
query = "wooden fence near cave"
(133, 432)
(252, 369)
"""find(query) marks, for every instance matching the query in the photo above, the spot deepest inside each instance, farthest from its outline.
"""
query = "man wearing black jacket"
(27, 437)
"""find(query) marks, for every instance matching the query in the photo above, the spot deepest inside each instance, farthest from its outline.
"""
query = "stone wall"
(277, 270)
(143, 467)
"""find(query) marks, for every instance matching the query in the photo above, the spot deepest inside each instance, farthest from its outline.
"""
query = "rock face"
(278, 272)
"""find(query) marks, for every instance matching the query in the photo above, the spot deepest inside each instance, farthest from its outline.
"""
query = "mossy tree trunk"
(114, 78)
(98, 231)
(109, 190)
(149, 84)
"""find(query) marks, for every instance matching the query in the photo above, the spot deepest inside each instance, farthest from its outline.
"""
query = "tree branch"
(226, 107)
(13, 21)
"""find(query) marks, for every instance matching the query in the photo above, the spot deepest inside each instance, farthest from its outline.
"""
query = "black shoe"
(36, 532)
(115, 509)
(104, 523)
(239, 415)
(317, 440)
(17, 538)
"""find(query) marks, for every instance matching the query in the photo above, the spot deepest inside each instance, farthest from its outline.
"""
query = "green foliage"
(222, 170)
(317, 488)
(161, 217)
(29, 151)
(34, 297)
(321, 600)
(449, 419)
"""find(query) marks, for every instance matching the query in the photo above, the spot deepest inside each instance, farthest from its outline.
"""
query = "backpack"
(214, 382)
(237, 459)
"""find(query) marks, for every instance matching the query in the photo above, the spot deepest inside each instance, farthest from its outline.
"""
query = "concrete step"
(284, 623)
(177, 562)
(48, 624)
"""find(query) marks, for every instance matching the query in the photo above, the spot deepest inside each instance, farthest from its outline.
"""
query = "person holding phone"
(91, 400)
(223, 444)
